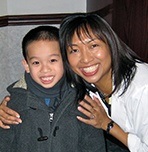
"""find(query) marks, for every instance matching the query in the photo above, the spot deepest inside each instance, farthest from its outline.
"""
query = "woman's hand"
(93, 109)
(7, 115)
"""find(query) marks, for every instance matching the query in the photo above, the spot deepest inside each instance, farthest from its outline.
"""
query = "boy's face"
(44, 62)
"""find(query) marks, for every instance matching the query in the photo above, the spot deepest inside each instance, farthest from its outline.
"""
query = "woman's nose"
(86, 56)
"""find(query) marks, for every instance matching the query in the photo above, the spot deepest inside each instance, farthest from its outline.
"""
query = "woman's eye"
(94, 45)
(74, 51)
(53, 60)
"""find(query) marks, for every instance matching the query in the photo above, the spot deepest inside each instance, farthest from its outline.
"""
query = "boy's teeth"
(47, 78)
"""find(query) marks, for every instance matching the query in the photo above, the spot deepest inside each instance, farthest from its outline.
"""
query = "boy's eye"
(35, 63)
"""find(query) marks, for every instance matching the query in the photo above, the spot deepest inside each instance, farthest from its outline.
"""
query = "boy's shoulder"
(17, 85)
(18, 94)
(21, 83)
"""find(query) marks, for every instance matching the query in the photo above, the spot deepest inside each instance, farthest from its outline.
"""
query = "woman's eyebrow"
(81, 41)
(93, 39)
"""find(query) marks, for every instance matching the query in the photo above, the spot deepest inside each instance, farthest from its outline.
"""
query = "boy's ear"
(26, 66)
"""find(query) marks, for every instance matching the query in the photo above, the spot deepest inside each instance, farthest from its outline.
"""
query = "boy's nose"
(45, 68)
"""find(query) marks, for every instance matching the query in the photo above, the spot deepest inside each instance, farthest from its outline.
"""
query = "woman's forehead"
(84, 33)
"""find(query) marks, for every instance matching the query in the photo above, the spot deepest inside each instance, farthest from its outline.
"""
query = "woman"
(94, 56)
(115, 77)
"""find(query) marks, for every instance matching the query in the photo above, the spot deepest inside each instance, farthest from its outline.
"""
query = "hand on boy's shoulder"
(7, 115)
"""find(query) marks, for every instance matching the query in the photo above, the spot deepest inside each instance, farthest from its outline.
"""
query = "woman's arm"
(99, 119)
(7, 115)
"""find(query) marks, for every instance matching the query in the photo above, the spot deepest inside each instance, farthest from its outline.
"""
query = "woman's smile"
(90, 71)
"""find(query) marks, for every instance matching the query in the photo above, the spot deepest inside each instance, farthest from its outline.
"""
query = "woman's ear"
(26, 66)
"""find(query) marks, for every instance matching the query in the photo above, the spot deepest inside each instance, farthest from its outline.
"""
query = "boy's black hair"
(122, 57)
(39, 33)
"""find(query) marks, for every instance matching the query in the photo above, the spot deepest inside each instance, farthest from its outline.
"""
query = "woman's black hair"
(39, 33)
(122, 57)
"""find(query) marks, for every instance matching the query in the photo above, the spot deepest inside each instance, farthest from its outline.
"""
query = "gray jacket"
(38, 134)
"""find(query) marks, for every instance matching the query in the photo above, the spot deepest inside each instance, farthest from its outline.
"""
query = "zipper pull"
(51, 117)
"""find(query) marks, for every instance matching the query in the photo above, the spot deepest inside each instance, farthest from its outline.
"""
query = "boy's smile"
(44, 62)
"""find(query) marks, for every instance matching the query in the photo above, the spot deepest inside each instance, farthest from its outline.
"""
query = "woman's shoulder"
(142, 67)
(141, 75)
(139, 82)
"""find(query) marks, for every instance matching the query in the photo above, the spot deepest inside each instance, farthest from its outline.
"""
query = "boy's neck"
(41, 91)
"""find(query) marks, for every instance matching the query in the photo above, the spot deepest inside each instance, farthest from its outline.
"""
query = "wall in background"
(95, 5)
(130, 22)
(18, 7)
(3, 7)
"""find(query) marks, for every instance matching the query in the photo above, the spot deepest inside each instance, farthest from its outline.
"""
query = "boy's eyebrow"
(58, 55)
(54, 55)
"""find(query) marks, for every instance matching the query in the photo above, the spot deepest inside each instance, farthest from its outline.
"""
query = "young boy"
(46, 103)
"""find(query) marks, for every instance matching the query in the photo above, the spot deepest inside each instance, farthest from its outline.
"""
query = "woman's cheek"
(99, 54)
(71, 60)
(102, 54)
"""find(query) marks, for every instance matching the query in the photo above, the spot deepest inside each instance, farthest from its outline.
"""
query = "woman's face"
(90, 58)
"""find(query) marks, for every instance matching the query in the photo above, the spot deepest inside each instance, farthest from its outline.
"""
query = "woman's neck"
(105, 86)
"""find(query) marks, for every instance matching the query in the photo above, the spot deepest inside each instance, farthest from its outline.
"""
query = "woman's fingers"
(5, 100)
(93, 109)
(2, 125)
(86, 121)
(90, 104)
(89, 100)
(88, 107)
(85, 110)
(89, 111)
(7, 118)
(91, 117)
(7, 115)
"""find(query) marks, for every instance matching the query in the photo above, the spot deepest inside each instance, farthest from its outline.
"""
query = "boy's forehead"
(44, 45)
